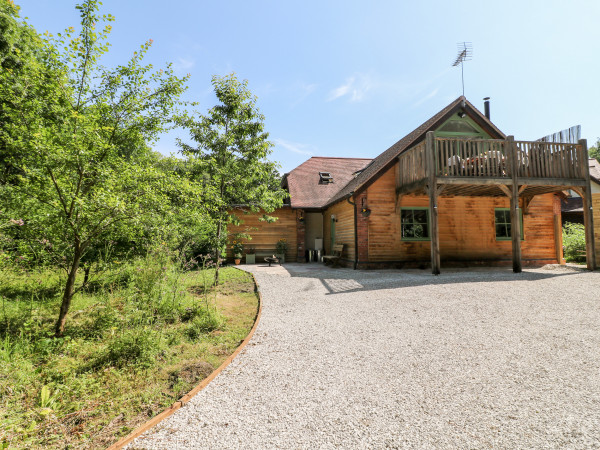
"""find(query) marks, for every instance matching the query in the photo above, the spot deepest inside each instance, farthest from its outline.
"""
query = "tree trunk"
(86, 274)
(218, 252)
(68, 294)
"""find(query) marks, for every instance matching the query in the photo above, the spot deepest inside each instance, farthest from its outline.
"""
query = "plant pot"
(237, 261)
(281, 257)
(250, 258)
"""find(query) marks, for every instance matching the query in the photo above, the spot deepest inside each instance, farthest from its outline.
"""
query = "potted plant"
(250, 256)
(280, 249)
(238, 249)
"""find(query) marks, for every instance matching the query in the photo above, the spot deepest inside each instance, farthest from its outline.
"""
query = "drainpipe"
(355, 231)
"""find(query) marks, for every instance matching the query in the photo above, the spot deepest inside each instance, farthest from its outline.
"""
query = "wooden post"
(588, 216)
(433, 207)
(515, 217)
(558, 243)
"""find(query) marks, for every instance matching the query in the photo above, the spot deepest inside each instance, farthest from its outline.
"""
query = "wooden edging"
(187, 397)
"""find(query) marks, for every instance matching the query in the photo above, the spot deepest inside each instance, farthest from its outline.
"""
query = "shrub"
(574, 242)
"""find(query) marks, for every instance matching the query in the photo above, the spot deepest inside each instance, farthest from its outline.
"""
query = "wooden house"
(456, 190)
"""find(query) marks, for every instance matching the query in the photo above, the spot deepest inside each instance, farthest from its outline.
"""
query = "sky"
(350, 78)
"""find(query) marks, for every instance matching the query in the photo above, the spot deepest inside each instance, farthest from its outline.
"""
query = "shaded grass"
(123, 358)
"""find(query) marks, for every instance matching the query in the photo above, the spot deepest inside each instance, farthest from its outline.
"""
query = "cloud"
(294, 147)
(355, 88)
(303, 90)
(427, 97)
(183, 64)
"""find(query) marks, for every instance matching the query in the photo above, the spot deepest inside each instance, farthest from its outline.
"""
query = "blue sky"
(349, 78)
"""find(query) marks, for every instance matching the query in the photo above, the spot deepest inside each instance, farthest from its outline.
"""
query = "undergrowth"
(129, 335)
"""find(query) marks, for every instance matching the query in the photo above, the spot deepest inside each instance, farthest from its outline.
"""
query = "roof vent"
(325, 178)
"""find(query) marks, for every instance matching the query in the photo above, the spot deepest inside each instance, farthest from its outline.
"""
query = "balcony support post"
(515, 217)
(433, 204)
(588, 216)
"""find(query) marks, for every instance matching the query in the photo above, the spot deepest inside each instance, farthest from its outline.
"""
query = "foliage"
(594, 151)
(114, 363)
(230, 160)
(78, 133)
(574, 242)
(281, 246)
(237, 248)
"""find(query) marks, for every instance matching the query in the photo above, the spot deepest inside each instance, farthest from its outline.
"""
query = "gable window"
(502, 221)
(414, 224)
(325, 178)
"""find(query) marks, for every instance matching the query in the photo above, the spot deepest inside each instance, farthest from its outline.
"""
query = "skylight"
(325, 178)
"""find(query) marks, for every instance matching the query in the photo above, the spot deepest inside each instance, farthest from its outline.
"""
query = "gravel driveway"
(403, 359)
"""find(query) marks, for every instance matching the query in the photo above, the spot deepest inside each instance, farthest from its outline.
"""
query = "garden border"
(187, 397)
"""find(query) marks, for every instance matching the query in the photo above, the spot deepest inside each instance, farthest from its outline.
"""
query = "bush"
(574, 242)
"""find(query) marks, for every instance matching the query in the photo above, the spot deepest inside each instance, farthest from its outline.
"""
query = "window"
(502, 219)
(415, 224)
(325, 178)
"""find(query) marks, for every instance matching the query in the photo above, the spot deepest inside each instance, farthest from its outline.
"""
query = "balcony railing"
(493, 158)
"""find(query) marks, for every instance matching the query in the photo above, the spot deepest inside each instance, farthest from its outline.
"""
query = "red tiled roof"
(303, 182)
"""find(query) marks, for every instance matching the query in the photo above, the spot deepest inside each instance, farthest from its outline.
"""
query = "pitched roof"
(304, 185)
(594, 170)
(387, 158)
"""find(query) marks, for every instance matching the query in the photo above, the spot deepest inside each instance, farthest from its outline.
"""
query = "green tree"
(231, 158)
(594, 151)
(79, 134)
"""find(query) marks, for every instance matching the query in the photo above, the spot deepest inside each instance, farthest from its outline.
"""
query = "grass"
(136, 341)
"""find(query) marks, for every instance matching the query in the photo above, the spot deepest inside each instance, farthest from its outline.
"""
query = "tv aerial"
(465, 53)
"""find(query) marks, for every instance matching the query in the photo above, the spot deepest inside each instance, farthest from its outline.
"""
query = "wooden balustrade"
(490, 158)
(550, 160)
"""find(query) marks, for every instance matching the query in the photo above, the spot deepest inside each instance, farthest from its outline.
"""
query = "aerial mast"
(465, 53)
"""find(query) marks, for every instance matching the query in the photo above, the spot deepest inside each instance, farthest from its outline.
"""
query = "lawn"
(137, 339)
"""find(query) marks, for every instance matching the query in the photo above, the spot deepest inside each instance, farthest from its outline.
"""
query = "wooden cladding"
(344, 228)
(265, 235)
(491, 158)
(467, 229)
(411, 165)
(596, 206)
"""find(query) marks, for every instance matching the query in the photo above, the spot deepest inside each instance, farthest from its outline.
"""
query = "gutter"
(355, 230)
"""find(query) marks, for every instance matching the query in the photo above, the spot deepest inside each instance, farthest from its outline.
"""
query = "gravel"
(402, 359)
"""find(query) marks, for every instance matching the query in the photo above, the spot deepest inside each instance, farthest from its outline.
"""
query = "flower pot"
(281, 257)
(250, 258)
(237, 261)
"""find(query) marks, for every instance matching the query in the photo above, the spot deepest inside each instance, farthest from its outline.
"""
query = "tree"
(230, 160)
(594, 151)
(79, 134)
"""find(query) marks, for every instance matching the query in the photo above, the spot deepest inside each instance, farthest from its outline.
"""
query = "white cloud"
(294, 147)
(427, 97)
(354, 88)
(303, 90)
(183, 64)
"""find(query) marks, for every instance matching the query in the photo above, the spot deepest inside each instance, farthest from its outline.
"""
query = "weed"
(132, 348)
(209, 320)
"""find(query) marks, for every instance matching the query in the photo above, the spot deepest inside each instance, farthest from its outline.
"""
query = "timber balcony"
(495, 167)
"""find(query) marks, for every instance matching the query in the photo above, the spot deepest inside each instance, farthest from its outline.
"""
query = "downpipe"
(355, 230)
